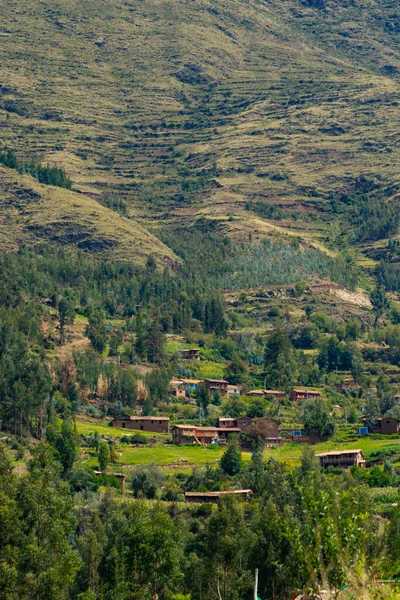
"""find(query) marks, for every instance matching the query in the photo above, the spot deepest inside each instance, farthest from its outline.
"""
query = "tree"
(140, 342)
(66, 313)
(147, 480)
(96, 330)
(379, 303)
(115, 342)
(236, 371)
(48, 562)
(256, 408)
(202, 397)
(280, 358)
(104, 455)
(316, 418)
(65, 445)
(155, 341)
(231, 460)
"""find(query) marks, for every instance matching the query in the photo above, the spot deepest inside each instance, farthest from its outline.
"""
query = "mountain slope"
(194, 109)
(31, 214)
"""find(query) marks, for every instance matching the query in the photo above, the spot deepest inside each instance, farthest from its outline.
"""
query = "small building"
(265, 427)
(177, 388)
(342, 459)
(214, 497)
(234, 390)
(226, 422)
(304, 394)
(216, 385)
(244, 423)
(153, 424)
(191, 354)
(387, 425)
(256, 393)
(193, 434)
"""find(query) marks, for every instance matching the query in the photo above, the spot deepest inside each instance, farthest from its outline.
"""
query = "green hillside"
(188, 110)
(35, 214)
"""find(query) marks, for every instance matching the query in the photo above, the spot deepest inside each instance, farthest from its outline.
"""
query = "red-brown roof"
(132, 418)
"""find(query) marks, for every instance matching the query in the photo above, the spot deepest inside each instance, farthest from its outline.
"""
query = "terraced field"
(188, 110)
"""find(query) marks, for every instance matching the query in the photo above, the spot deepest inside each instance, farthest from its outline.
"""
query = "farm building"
(234, 390)
(191, 354)
(177, 388)
(214, 497)
(304, 394)
(153, 424)
(387, 425)
(216, 385)
(226, 422)
(266, 394)
(189, 434)
(342, 459)
(265, 427)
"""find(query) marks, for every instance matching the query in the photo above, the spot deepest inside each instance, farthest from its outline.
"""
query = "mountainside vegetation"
(192, 110)
(199, 228)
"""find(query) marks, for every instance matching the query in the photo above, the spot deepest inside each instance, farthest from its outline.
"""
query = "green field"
(87, 426)
(168, 454)
(291, 452)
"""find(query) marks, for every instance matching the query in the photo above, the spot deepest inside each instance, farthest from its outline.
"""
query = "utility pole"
(256, 585)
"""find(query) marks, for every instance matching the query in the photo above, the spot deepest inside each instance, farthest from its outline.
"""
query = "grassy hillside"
(194, 110)
(32, 213)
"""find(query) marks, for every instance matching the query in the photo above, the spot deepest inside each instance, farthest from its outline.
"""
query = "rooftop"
(216, 380)
(339, 452)
(216, 494)
(304, 390)
(198, 428)
(141, 418)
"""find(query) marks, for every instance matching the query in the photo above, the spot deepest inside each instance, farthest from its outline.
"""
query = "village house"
(304, 394)
(214, 497)
(216, 385)
(277, 394)
(191, 354)
(226, 422)
(265, 427)
(191, 434)
(234, 390)
(177, 388)
(153, 424)
(256, 393)
(342, 459)
(387, 425)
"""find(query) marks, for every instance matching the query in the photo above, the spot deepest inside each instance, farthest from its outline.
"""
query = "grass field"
(168, 454)
(291, 453)
(87, 426)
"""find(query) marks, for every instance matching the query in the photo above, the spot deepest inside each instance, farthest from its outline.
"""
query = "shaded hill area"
(34, 214)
